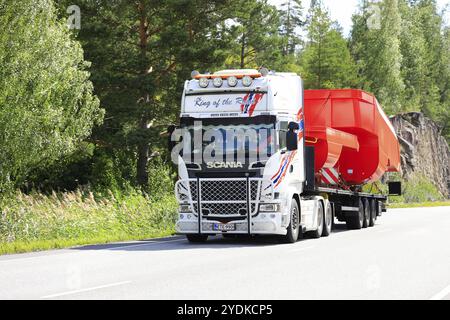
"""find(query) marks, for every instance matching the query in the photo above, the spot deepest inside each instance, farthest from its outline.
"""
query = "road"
(405, 256)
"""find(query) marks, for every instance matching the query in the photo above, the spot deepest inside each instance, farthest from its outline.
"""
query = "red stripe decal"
(286, 169)
(279, 169)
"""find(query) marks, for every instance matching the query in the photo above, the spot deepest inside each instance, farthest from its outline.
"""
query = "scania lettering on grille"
(224, 165)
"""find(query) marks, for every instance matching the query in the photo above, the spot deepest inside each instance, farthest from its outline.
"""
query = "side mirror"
(395, 188)
(292, 136)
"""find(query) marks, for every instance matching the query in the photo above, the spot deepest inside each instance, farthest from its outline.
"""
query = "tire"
(366, 221)
(320, 222)
(197, 238)
(293, 230)
(356, 222)
(328, 220)
(373, 212)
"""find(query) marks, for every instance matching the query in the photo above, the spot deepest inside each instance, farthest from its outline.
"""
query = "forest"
(87, 93)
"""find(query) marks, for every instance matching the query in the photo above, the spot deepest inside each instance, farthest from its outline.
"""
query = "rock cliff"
(423, 149)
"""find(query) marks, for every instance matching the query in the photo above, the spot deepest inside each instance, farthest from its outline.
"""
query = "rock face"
(423, 149)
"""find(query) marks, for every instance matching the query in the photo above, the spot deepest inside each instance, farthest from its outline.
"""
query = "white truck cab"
(251, 186)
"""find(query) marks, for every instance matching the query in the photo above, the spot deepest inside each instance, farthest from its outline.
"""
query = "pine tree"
(141, 53)
(291, 15)
(256, 31)
(414, 64)
(326, 60)
(378, 53)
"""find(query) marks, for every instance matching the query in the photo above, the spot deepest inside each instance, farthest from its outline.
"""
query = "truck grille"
(225, 197)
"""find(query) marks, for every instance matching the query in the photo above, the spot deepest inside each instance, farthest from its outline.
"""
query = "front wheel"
(293, 230)
(197, 238)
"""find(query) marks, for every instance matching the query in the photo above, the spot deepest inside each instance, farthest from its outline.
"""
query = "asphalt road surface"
(405, 256)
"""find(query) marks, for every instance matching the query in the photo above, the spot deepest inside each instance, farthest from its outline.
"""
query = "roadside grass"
(40, 222)
(419, 205)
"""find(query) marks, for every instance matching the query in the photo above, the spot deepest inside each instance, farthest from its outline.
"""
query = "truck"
(259, 155)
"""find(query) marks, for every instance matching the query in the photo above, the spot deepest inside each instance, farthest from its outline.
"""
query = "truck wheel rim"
(294, 221)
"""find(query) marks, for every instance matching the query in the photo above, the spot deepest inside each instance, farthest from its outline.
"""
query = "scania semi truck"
(259, 155)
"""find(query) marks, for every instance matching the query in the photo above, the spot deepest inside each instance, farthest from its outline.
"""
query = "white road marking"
(442, 294)
(85, 290)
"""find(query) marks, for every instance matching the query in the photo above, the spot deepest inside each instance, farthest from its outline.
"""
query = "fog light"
(181, 216)
(185, 208)
(269, 207)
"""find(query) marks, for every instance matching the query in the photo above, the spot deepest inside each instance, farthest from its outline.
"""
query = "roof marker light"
(264, 72)
(194, 74)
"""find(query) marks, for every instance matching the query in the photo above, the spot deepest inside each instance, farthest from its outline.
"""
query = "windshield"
(223, 140)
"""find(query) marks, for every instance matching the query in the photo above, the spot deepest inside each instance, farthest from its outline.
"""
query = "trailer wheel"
(373, 212)
(293, 230)
(320, 222)
(197, 238)
(328, 220)
(367, 210)
(356, 222)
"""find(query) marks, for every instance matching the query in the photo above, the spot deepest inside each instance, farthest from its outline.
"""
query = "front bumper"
(263, 224)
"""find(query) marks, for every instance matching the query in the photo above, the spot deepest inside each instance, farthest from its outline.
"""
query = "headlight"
(247, 81)
(217, 82)
(269, 207)
(185, 208)
(203, 82)
(232, 81)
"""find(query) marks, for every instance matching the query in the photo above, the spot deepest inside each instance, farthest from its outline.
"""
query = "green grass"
(419, 205)
(60, 220)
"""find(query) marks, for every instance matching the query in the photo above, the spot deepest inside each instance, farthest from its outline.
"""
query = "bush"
(47, 105)
(418, 189)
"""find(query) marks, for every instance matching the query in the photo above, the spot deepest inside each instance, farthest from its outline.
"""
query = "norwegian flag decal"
(250, 103)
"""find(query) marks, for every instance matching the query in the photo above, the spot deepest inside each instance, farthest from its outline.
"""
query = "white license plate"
(224, 227)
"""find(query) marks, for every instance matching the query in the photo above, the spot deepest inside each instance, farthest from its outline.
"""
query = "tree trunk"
(143, 146)
(243, 51)
(143, 151)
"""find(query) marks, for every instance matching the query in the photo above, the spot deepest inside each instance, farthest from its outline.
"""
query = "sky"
(342, 10)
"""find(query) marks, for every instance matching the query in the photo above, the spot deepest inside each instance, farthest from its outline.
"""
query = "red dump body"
(354, 140)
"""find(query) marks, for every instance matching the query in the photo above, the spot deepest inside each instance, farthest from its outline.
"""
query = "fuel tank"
(354, 141)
